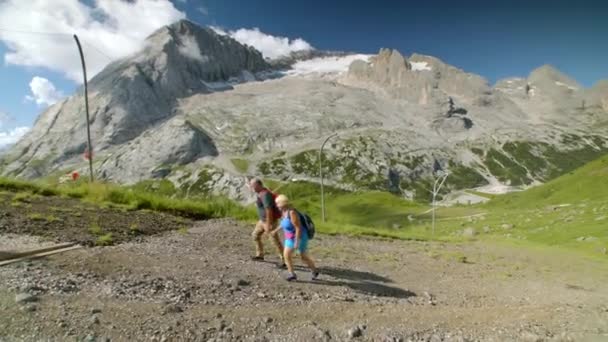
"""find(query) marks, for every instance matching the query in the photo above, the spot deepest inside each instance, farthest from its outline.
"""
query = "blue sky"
(495, 39)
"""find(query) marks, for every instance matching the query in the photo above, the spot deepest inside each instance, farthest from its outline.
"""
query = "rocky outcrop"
(420, 79)
(156, 152)
(597, 96)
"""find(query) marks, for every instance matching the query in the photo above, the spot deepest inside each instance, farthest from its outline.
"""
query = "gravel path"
(200, 285)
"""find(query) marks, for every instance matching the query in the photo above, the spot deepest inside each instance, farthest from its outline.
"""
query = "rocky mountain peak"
(392, 60)
(421, 79)
(548, 75)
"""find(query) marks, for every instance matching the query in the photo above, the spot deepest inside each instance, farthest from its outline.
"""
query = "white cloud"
(270, 46)
(4, 118)
(191, 49)
(10, 137)
(109, 25)
(219, 30)
(203, 10)
(43, 92)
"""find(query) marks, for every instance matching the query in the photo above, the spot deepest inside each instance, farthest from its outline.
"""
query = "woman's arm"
(295, 220)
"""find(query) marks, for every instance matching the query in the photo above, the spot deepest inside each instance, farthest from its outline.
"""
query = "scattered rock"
(528, 336)
(389, 338)
(262, 295)
(355, 332)
(242, 282)
(172, 309)
(469, 232)
(90, 338)
(95, 319)
(507, 226)
(600, 218)
(22, 298)
(29, 308)
(323, 334)
(569, 219)
(221, 325)
(396, 226)
(486, 229)
(586, 239)
(430, 298)
(96, 311)
(268, 320)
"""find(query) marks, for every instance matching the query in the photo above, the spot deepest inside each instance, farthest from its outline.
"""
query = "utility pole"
(321, 175)
(86, 105)
(436, 189)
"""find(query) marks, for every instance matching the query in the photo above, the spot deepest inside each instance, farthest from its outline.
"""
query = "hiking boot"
(315, 275)
(292, 277)
(257, 258)
(282, 266)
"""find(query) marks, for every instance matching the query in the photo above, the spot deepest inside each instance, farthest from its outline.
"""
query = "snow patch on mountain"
(325, 65)
(420, 66)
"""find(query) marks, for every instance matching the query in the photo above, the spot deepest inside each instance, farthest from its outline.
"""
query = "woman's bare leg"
(308, 261)
(288, 258)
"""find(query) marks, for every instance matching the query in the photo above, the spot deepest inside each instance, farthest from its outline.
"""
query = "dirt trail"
(200, 285)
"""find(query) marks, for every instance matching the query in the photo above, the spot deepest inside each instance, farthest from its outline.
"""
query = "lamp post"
(436, 189)
(86, 105)
(321, 175)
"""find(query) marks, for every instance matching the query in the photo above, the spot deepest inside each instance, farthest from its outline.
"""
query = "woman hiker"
(296, 238)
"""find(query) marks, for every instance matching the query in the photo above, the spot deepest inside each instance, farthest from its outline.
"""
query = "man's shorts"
(259, 229)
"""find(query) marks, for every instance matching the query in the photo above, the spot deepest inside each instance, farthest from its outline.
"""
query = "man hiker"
(269, 216)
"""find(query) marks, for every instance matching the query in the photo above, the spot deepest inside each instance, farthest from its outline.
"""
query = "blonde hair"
(282, 200)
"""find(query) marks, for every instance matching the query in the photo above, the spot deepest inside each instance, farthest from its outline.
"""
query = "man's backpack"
(307, 222)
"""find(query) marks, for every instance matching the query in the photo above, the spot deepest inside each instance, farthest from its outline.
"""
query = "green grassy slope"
(570, 211)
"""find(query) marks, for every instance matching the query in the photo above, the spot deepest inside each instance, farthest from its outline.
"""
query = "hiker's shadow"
(367, 288)
(353, 275)
(367, 283)
(363, 282)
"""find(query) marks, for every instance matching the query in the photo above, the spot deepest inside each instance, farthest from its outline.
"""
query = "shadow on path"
(343, 273)
(367, 283)
(366, 287)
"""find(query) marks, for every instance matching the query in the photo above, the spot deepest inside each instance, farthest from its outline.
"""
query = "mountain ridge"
(193, 100)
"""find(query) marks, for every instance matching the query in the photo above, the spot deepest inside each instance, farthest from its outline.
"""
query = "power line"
(35, 32)
(98, 50)
(56, 34)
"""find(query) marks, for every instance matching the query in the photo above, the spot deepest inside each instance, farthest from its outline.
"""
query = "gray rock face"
(175, 142)
(136, 94)
(421, 79)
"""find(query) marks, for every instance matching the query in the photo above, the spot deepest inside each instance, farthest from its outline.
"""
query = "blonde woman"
(296, 238)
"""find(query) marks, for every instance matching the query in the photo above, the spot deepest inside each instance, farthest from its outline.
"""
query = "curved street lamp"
(86, 105)
(321, 175)
(436, 189)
